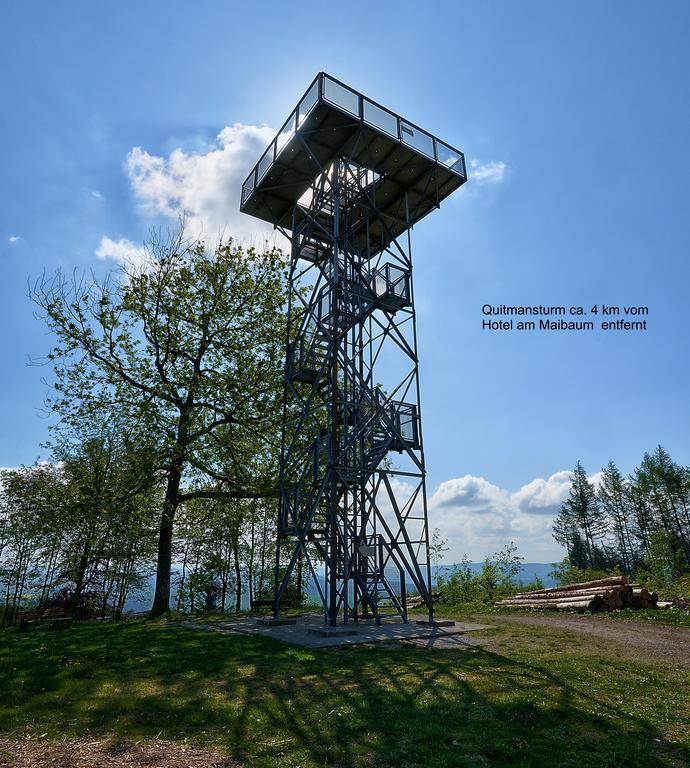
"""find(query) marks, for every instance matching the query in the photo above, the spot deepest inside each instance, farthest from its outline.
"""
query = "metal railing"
(366, 111)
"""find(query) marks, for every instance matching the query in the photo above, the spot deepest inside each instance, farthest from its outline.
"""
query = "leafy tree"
(661, 488)
(566, 572)
(664, 560)
(508, 563)
(438, 546)
(188, 348)
(31, 508)
(108, 521)
(489, 578)
(462, 585)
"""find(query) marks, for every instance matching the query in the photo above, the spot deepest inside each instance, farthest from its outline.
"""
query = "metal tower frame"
(345, 180)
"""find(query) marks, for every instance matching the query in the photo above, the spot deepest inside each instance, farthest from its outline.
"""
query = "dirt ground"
(642, 641)
(34, 753)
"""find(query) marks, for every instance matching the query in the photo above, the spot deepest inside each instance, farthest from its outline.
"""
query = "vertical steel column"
(354, 519)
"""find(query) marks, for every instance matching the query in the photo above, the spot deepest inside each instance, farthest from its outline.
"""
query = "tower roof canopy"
(333, 121)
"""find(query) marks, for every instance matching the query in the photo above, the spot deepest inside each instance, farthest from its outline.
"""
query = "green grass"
(533, 697)
(670, 616)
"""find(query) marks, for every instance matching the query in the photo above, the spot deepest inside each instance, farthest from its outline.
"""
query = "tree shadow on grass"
(270, 704)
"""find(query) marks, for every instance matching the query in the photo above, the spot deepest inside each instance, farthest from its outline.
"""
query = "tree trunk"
(161, 597)
(180, 587)
(225, 574)
(264, 537)
(17, 597)
(47, 582)
(238, 577)
(299, 577)
(250, 574)
(79, 582)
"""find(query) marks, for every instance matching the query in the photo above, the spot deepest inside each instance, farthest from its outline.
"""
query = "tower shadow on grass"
(269, 704)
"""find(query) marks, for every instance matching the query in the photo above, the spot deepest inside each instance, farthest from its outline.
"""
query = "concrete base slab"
(435, 623)
(332, 631)
(273, 621)
(308, 630)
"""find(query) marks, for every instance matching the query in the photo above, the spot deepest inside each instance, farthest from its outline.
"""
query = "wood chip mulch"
(36, 753)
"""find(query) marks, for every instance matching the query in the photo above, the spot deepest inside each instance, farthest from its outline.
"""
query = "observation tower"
(345, 180)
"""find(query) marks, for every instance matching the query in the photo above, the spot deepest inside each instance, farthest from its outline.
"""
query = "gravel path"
(645, 641)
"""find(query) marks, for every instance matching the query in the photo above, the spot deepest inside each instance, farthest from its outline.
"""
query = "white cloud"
(470, 492)
(205, 186)
(542, 496)
(95, 193)
(123, 251)
(479, 517)
(13, 239)
(492, 172)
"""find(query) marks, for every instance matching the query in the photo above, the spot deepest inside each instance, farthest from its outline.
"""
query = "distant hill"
(528, 573)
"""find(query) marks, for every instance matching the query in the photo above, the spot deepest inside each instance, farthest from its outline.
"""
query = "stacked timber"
(600, 595)
(682, 603)
(642, 598)
(417, 601)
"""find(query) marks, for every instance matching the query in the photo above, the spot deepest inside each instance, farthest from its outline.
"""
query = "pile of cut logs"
(600, 595)
(417, 601)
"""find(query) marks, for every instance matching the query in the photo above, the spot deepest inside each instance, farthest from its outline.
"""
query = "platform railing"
(364, 110)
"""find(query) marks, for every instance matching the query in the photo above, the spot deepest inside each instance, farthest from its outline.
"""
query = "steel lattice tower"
(345, 180)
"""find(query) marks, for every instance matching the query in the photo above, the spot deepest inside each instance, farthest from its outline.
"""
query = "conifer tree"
(581, 523)
(616, 503)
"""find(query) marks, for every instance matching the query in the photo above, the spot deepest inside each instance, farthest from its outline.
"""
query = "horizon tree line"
(628, 523)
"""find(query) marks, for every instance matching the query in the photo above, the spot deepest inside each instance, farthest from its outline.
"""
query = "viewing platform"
(411, 170)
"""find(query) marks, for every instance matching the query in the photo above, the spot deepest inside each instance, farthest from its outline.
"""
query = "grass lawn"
(530, 697)
(672, 617)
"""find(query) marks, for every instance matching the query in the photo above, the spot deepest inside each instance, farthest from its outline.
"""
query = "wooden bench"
(54, 614)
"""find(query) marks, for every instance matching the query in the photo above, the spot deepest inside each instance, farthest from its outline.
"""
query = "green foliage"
(489, 579)
(496, 578)
(187, 349)
(224, 548)
(581, 523)
(80, 531)
(508, 563)
(664, 559)
(620, 524)
(670, 617)
(616, 502)
(566, 572)
(461, 586)
(438, 546)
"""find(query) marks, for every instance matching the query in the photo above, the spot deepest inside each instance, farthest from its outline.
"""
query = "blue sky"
(577, 116)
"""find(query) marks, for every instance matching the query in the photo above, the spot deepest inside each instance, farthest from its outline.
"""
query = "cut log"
(609, 581)
(569, 593)
(417, 601)
(562, 598)
(584, 604)
(602, 594)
